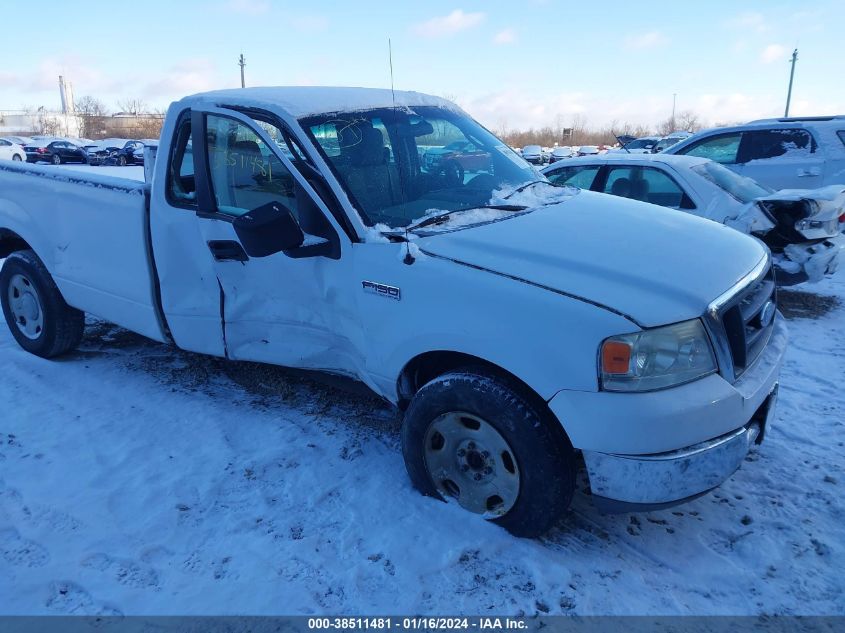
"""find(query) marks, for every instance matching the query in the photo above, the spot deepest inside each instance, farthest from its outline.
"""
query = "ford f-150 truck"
(520, 326)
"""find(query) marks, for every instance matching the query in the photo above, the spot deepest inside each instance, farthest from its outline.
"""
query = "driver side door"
(290, 308)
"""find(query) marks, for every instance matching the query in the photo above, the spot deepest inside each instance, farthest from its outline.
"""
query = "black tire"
(121, 160)
(56, 160)
(544, 455)
(63, 326)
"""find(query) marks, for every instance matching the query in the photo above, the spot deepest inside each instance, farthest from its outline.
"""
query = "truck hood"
(653, 265)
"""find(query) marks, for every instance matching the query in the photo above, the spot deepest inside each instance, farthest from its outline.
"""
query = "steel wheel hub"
(26, 307)
(470, 461)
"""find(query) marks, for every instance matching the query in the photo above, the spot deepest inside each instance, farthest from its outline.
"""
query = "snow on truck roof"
(302, 101)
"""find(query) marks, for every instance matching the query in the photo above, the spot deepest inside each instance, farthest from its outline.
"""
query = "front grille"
(748, 320)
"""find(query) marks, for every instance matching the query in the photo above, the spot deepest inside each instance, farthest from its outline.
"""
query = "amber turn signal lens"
(615, 357)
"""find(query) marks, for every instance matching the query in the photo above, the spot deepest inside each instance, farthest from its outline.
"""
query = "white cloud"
(507, 36)
(773, 53)
(748, 21)
(311, 23)
(186, 77)
(449, 24)
(652, 39)
(519, 109)
(248, 7)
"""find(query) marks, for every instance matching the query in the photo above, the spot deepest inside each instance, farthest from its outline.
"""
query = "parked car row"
(59, 150)
(116, 151)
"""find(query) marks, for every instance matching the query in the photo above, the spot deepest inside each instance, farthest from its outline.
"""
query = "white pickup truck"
(521, 327)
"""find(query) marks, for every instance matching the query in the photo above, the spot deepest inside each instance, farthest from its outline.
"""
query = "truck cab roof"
(303, 101)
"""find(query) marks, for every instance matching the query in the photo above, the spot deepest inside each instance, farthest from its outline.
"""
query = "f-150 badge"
(382, 290)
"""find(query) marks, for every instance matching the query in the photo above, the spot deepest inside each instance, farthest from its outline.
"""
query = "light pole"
(791, 77)
(674, 97)
(242, 63)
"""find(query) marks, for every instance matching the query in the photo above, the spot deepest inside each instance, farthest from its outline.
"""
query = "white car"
(801, 227)
(588, 150)
(665, 142)
(560, 153)
(19, 140)
(642, 145)
(789, 153)
(533, 154)
(520, 327)
(11, 151)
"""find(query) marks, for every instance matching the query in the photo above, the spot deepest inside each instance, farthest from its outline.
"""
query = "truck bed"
(92, 233)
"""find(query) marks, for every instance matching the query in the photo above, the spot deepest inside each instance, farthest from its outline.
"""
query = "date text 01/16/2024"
(417, 623)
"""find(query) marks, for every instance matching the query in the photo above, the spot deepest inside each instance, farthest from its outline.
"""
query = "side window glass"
(722, 149)
(647, 184)
(766, 144)
(245, 173)
(660, 188)
(619, 181)
(181, 184)
(841, 135)
(581, 176)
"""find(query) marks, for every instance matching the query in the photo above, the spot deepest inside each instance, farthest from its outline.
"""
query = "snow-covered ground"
(138, 479)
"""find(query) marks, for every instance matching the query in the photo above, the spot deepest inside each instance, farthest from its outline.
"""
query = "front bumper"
(627, 482)
(665, 446)
(809, 262)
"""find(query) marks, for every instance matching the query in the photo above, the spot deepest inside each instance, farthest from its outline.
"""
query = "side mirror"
(269, 229)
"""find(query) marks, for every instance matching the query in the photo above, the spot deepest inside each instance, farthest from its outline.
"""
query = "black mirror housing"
(267, 230)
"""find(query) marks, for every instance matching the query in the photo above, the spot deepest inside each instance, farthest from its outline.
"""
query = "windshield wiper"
(525, 186)
(443, 217)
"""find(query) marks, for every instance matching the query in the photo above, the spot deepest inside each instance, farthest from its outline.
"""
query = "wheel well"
(430, 365)
(11, 242)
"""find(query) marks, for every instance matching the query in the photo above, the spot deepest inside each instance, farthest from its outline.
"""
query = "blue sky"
(513, 64)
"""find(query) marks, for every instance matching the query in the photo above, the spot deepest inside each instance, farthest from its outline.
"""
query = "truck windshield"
(742, 188)
(398, 165)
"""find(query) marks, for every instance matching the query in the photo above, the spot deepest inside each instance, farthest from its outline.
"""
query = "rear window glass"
(740, 187)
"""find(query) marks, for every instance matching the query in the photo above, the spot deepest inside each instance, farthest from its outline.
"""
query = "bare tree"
(92, 113)
(149, 126)
(687, 121)
(46, 124)
(133, 106)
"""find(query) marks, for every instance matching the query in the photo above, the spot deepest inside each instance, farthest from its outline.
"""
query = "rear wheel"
(57, 160)
(478, 439)
(35, 311)
(121, 160)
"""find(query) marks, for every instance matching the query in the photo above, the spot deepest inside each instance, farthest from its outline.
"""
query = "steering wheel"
(452, 173)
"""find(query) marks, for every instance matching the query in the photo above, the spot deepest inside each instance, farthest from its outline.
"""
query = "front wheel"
(476, 438)
(17, 158)
(36, 313)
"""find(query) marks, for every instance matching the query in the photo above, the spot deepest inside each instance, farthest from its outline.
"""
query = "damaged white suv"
(520, 326)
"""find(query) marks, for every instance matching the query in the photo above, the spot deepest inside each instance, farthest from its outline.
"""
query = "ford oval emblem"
(767, 313)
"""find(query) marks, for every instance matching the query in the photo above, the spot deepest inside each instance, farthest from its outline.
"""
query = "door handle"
(227, 251)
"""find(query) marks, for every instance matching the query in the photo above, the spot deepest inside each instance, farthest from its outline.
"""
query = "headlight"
(656, 358)
(817, 228)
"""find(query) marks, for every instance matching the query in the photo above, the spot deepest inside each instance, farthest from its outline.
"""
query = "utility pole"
(791, 77)
(674, 97)
(242, 63)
